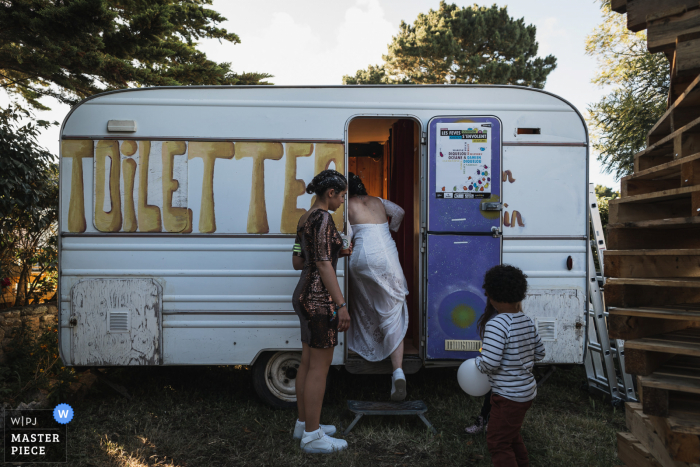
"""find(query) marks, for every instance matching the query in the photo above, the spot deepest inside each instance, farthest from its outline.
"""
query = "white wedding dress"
(377, 290)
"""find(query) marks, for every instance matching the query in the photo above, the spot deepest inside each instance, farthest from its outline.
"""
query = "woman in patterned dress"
(322, 311)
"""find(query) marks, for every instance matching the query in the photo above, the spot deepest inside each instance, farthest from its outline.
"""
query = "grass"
(211, 416)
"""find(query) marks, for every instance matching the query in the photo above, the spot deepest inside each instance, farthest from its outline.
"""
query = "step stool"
(360, 408)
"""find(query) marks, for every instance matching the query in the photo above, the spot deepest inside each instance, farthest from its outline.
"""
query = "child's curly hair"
(502, 283)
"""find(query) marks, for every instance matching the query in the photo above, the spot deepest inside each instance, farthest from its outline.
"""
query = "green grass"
(210, 416)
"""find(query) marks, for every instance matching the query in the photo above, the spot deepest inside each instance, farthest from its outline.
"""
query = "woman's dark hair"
(326, 180)
(355, 185)
(503, 283)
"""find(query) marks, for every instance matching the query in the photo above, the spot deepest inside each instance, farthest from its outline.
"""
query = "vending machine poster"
(463, 162)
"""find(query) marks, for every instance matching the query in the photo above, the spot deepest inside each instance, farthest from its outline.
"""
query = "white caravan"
(178, 211)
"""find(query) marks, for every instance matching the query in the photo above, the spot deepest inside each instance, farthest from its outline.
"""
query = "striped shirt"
(510, 349)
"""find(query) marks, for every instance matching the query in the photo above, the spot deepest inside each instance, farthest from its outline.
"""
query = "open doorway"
(385, 154)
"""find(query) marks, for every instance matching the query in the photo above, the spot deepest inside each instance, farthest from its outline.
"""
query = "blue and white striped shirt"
(510, 349)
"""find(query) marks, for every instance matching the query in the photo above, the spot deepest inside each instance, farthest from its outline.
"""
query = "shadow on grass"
(211, 416)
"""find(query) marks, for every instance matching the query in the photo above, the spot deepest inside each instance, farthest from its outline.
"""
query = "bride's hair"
(326, 180)
(356, 187)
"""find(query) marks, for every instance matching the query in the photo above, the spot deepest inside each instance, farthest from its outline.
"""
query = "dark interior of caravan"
(385, 154)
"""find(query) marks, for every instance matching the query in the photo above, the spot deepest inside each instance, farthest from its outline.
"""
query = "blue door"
(464, 195)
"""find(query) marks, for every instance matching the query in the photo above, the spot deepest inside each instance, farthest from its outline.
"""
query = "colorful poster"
(463, 161)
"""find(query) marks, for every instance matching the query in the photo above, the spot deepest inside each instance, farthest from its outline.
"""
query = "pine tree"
(71, 49)
(453, 45)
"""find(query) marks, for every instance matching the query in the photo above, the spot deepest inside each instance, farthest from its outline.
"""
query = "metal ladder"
(604, 359)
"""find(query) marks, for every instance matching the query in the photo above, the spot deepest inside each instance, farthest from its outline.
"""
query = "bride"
(377, 286)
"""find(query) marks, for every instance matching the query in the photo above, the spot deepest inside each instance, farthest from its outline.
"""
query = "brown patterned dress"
(320, 241)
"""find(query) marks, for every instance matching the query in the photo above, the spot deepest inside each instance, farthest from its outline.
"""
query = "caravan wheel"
(274, 377)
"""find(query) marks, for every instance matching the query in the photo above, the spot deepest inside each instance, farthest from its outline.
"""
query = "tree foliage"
(454, 45)
(640, 80)
(28, 207)
(71, 49)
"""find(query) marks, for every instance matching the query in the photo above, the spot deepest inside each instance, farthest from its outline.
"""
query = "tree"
(71, 49)
(453, 45)
(28, 207)
(621, 120)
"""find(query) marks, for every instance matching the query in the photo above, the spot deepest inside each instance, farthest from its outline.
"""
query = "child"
(511, 346)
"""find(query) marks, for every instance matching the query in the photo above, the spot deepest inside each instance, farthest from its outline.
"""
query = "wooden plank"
(653, 263)
(664, 195)
(650, 252)
(662, 233)
(624, 295)
(671, 379)
(632, 453)
(679, 111)
(654, 401)
(665, 147)
(619, 6)
(692, 282)
(688, 56)
(635, 327)
(646, 434)
(684, 415)
(664, 170)
(649, 210)
(655, 434)
(632, 187)
(673, 223)
(678, 313)
(644, 363)
(662, 33)
(685, 144)
(641, 11)
(686, 342)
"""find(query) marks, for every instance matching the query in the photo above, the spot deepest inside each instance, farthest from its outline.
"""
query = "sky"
(316, 42)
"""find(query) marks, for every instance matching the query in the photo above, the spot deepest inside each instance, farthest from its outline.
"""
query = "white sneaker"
(300, 427)
(398, 385)
(317, 442)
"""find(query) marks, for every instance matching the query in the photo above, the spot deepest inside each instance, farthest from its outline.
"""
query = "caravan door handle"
(491, 206)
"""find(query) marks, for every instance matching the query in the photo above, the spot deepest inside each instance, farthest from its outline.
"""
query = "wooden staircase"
(653, 261)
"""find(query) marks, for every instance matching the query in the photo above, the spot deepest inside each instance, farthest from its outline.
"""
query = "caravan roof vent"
(122, 126)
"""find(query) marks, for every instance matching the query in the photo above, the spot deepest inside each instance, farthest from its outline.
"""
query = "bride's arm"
(395, 212)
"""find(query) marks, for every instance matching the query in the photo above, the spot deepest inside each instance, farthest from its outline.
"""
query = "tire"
(274, 376)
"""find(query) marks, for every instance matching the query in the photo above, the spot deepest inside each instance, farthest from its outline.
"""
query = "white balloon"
(471, 380)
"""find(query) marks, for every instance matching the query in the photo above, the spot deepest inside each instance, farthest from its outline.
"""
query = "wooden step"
(677, 312)
(668, 176)
(627, 327)
(646, 355)
(684, 415)
(668, 169)
(686, 342)
(691, 282)
(683, 142)
(681, 112)
(639, 12)
(681, 232)
(652, 263)
(639, 292)
(666, 204)
(666, 382)
(657, 436)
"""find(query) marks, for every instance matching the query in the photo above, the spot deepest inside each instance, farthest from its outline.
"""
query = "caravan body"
(178, 211)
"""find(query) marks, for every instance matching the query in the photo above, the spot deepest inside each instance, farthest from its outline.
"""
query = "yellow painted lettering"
(257, 211)
(77, 150)
(209, 152)
(293, 187)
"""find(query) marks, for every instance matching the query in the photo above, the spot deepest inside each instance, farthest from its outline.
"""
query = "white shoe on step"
(398, 385)
(317, 442)
(300, 427)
